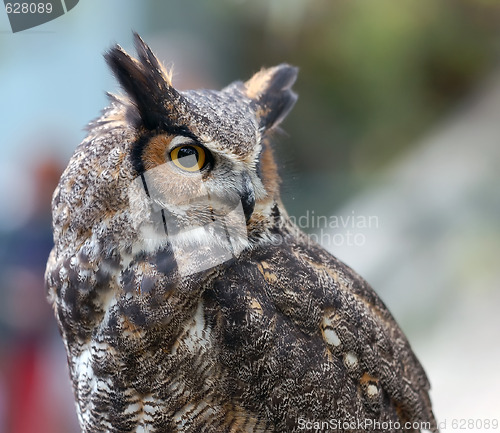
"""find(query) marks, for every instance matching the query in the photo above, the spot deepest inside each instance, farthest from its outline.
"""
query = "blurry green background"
(398, 117)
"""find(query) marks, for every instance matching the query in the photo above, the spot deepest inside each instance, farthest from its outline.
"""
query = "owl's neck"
(270, 223)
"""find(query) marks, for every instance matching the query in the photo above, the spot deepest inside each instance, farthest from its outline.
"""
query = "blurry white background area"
(434, 254)
(398, 118)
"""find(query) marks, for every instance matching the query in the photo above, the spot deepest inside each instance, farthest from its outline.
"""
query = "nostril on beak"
(247, 195)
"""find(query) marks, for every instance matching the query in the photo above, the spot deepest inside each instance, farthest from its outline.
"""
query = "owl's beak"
(247, 195)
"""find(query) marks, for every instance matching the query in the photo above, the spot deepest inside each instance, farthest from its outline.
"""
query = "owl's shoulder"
(296, 304)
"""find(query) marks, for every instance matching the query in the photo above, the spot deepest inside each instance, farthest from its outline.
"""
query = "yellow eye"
(189, 158)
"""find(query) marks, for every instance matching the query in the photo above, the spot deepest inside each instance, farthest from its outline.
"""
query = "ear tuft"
(271, 93)
(146, 82)
(147, 58)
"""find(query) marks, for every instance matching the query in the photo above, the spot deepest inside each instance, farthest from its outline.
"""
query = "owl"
(187, 299)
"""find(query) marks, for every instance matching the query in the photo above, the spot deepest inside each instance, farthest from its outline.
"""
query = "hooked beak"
(247, 195)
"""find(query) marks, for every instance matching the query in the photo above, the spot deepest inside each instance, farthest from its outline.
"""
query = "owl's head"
(216, 136)
(186, 159)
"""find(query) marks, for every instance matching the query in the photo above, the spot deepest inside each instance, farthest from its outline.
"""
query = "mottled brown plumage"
(187, 299)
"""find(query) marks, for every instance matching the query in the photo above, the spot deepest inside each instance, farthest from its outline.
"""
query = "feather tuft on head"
(148, 85)
(271, 93)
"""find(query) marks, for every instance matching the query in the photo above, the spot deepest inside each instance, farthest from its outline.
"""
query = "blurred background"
(390, 159)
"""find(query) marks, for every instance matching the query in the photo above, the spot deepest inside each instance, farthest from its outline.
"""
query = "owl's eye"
(189, 157)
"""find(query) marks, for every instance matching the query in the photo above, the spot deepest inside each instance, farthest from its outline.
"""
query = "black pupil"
(187, 151)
